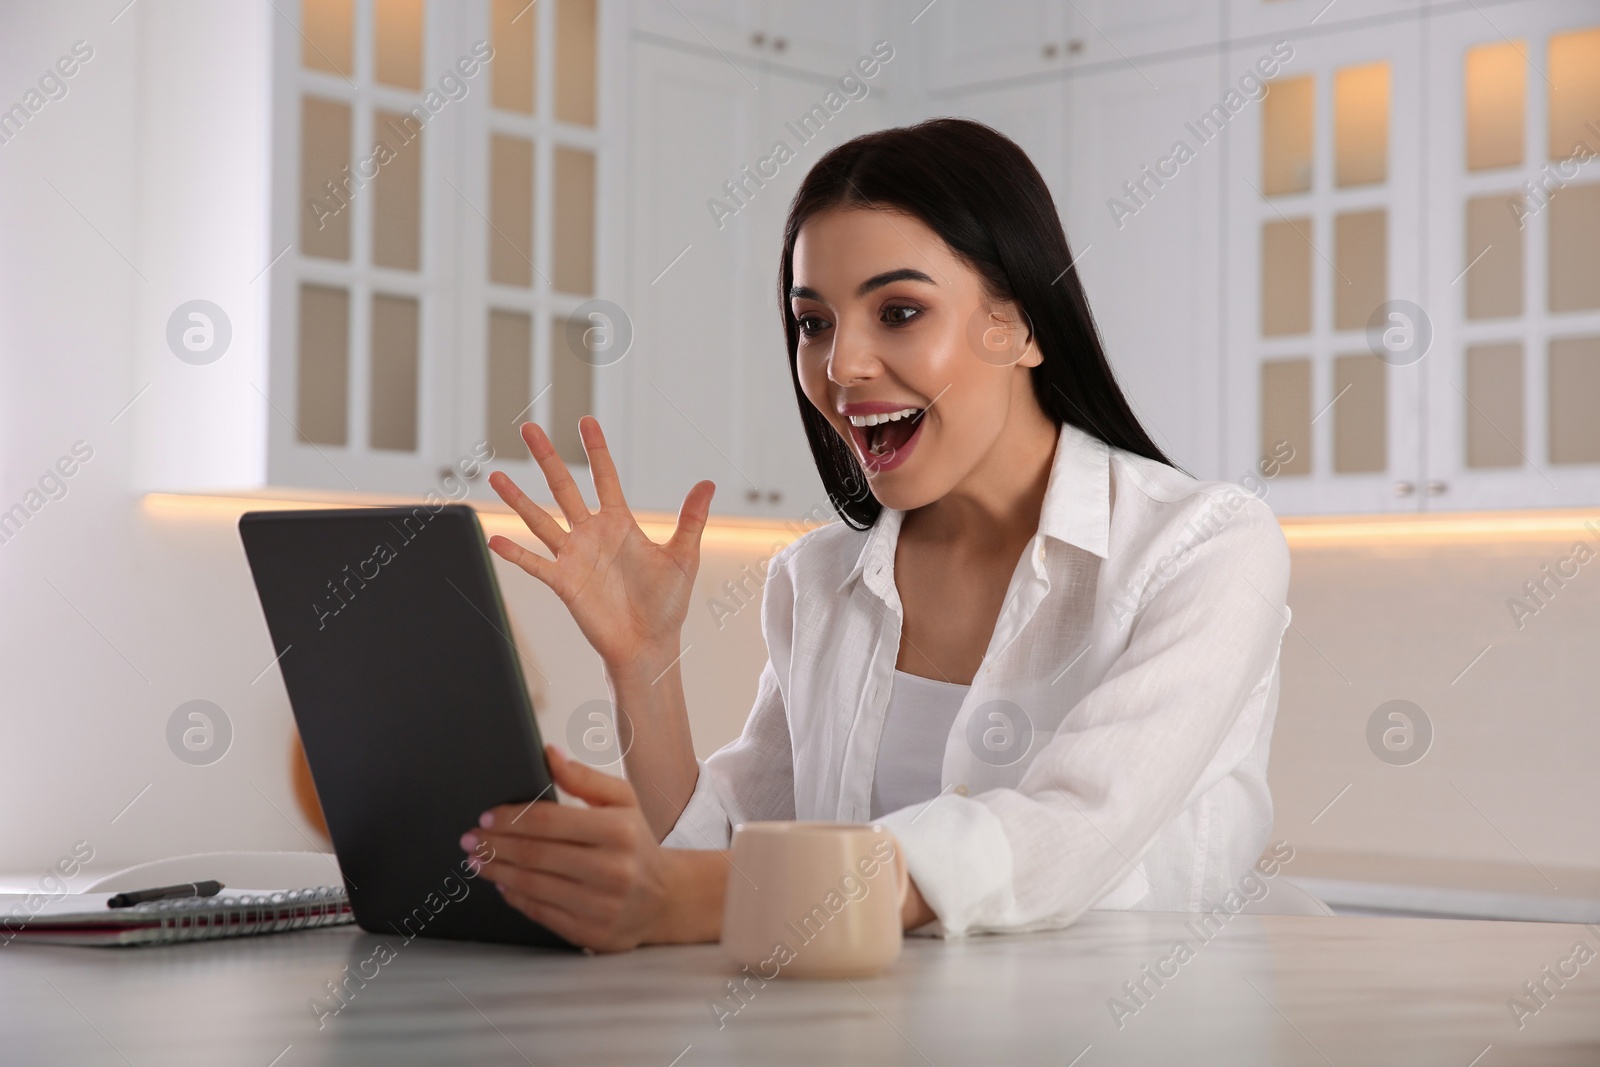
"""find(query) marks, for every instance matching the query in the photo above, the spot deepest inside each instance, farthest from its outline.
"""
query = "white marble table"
(1271, 990)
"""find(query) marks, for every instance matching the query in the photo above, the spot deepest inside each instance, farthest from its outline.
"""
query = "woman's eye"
(811, 325)
(899, 314)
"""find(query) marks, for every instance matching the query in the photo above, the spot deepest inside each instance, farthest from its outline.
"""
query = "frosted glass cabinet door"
(360, 306)
(1323, 388)
(441, 217)
(1514, 224)
(530, 218)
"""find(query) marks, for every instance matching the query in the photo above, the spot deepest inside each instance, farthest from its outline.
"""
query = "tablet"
(409, 695)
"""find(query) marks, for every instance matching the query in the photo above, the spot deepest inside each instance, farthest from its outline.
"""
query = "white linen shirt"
(1112, 750)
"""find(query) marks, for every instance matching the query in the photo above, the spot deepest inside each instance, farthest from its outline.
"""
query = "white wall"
(1511, 777)
(109, 623)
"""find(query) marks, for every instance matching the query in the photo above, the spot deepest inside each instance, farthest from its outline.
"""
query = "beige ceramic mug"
(814, 899)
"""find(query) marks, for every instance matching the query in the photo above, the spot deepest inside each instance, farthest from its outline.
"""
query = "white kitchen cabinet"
(1110, 33)
(1494, 408)
(1514, 290)
(714, 24)
(1279, 18)
(690, 122)
(818, 36)
(773, 437)
(969, 42)
(424, 192)
(1145, 245)
(358, 392)
(1275, 339)
(709, 379)
(1323, 206)
(1148, 275)
(815, 36)
(1233, 288)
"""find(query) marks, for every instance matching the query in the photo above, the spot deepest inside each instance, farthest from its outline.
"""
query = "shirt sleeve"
(750, 778)
(1127, 759)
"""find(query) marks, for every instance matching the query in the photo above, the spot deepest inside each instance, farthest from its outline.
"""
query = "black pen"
(165, 892)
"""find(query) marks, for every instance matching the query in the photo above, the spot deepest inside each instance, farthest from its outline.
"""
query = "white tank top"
(911, 750)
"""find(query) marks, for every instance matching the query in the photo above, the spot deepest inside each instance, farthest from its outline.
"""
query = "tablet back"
(397, 656)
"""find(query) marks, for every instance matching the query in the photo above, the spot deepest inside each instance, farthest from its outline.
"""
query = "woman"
(1034, 649)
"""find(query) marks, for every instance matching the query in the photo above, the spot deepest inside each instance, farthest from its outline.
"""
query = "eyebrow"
(877, 281)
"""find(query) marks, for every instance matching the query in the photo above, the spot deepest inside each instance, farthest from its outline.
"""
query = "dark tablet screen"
(409, 696)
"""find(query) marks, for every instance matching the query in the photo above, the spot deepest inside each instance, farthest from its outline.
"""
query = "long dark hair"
(977, 190)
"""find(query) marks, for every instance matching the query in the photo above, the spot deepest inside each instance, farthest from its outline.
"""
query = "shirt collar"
(876, 560)
(1076, 511)
(1077, 500)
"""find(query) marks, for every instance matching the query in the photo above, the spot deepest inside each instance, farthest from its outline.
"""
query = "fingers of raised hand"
(541, 568)
(556, 476)
(607, 484)
(685, 542)
(537, 519)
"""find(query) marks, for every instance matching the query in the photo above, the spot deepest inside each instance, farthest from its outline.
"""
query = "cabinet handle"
(780, 43)
(1404, 488)
(752, 495)
(758, 38)
(1074, 46)
(1050, 50)
(1435, 488)
(773, 496)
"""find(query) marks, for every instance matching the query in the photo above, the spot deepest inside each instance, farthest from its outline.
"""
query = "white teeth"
(893, 416)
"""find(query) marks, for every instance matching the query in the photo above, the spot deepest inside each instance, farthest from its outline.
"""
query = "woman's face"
(903, 352)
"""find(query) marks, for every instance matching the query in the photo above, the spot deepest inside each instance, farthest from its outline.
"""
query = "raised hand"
(628, 595)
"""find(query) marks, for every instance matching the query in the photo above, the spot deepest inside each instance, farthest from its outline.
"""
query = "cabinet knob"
(1074, 46)
(773, 496)
(752, 495)
(1435, 488)
(758, 38)
(1404, 488)
(780, 43)
(1049, 50)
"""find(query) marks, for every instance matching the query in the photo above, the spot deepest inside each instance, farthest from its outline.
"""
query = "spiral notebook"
(85, 918)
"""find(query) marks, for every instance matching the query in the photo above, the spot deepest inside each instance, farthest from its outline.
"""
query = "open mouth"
(883, 440)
